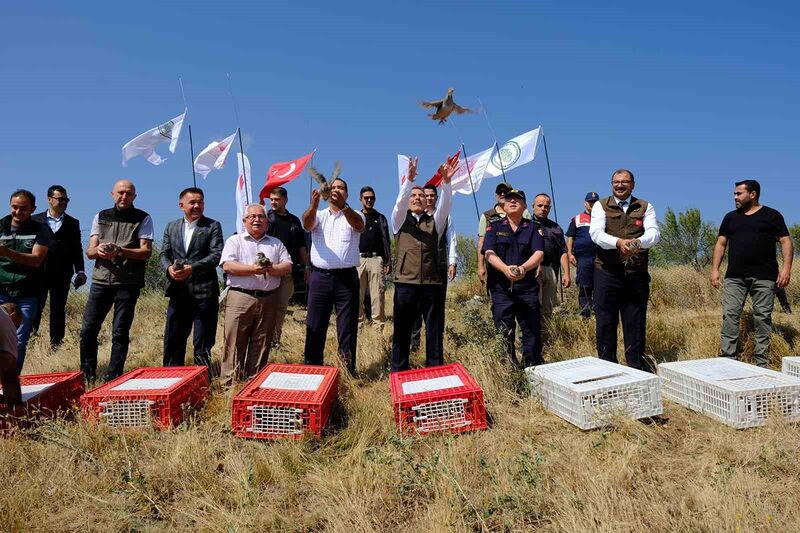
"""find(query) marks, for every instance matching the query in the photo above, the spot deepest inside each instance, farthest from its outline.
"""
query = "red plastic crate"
(44, 395)
(439, 398)
(285, 401)
(148, 397)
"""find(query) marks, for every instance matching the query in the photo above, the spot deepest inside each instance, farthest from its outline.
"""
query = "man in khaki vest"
(623, 227)
(418, 277)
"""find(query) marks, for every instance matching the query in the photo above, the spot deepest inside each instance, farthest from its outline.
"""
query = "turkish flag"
(436, 180)
(282, 173)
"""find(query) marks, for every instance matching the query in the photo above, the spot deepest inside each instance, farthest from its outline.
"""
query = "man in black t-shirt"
(750, 233)
(288, 229)
(375, 262)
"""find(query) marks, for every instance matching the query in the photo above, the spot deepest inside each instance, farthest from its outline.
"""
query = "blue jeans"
(28, 306)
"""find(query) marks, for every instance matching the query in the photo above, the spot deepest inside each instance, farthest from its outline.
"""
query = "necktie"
(623, 204)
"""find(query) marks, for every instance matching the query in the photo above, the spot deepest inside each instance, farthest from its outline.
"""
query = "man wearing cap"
(492, 215)
(581, 251)
(555, 260)
(624, 228)
(514, 248)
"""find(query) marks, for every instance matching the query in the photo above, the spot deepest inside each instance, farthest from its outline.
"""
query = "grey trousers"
(734, 294)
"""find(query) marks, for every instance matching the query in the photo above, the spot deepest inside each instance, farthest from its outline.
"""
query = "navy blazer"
(65, 253)
(204, 253)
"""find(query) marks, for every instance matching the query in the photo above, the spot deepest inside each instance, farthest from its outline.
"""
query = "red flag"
(282, 173)
(436, 180)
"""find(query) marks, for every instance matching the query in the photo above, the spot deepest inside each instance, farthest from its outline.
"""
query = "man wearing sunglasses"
(64, 258)
(375, 264)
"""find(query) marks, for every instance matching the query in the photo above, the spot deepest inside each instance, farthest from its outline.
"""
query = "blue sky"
(690, 96)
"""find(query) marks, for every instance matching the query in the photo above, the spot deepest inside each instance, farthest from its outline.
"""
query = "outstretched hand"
(412, 168)
(447, 170)
(315, 196)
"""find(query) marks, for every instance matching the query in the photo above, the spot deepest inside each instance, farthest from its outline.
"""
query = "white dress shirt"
(188, 231)
(334, 242)
(597, 228)
(54, 222)
(243, 248)
(443, 205)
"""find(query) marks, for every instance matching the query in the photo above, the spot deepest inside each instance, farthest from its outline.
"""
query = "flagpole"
(550, 176)
(471, 185)
(491, 130)
(191, 144)
(191, 152)
(239, 132)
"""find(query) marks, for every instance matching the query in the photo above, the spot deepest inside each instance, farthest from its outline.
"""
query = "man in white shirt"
(418, 278)
(624, 228)
(335, 237)
(255, 263)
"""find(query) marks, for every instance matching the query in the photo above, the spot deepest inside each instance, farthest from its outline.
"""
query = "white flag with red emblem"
(213, 156)
(145, 144)
(469, 175)
(282, 173)
(244, 190)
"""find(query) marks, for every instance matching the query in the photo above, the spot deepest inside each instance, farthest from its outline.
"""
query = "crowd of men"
(344, 256)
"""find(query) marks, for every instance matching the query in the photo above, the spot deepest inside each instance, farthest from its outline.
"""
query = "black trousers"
(416, 328)
(520, 304)
(618, 294)
(183, 312)
(410, 302)
(101, 298)
(58, 289)
(329, 289)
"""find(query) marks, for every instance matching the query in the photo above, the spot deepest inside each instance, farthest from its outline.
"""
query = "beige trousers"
(285, 292)
(548, 291)
(370, 274)
(249, 328)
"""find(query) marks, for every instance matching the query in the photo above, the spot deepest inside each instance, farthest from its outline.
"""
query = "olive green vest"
(417, 247)
(120, 227)
(623, 225)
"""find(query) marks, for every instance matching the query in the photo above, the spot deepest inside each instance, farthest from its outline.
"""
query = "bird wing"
(461, 110)
(336, 171)
(319, 178)
(430, 105)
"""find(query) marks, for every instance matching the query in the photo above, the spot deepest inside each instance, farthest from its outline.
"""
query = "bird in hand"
(445, 107)
(324, 184)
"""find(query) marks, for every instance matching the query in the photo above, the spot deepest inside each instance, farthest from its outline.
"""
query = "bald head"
(123, 193)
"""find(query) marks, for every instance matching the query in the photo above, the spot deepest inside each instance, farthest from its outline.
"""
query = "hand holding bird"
(324, 184)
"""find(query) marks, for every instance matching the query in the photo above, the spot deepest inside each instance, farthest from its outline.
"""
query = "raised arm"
(401, 204)
(310, 215)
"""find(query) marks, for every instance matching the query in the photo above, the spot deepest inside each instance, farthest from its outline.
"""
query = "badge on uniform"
(638, 222)
(503, 234)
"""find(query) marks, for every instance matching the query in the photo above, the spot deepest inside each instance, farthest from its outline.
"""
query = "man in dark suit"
(64, 258)
(190, 253)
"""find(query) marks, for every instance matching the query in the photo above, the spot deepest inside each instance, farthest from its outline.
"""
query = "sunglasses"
(368, 198)
(60, 199)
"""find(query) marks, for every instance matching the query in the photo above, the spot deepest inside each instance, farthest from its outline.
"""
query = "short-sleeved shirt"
(578, 229)
(289, 230)
(146, 230)
(16, 279)
(513, 248)
(334, 242)
(751, 243)
(243, 248)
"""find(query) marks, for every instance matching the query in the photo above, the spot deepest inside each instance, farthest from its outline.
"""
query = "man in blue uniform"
(581, 250)
(514, 249)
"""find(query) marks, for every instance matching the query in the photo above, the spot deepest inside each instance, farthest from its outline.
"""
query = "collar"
(192, 224)
(629, 199)
(50, 217)
(247, 235)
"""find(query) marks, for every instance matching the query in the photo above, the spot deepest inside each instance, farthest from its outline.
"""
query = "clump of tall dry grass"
(529, 470)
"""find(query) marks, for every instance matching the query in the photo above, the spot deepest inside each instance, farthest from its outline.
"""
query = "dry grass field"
(530, 470)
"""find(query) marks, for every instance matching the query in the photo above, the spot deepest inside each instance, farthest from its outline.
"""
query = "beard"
(743, 205)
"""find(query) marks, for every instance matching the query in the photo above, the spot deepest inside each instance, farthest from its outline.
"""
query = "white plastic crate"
(791, 366)
(735, 393)
(589, 392)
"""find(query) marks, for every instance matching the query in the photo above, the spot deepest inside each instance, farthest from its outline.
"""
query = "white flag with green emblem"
(514, 153)
(145, 144)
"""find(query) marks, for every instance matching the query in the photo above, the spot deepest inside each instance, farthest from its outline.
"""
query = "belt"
(369, 254)
(331, 270)
(253, 292)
